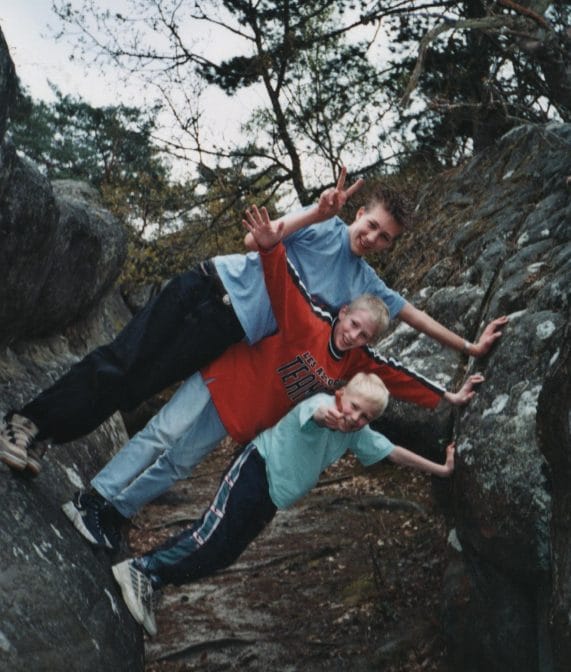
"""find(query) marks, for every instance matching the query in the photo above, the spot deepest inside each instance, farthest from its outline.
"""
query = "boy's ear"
(344, 310)
(360, 212)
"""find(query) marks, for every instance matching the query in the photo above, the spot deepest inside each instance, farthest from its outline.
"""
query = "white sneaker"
(138, 594)
(17, 435)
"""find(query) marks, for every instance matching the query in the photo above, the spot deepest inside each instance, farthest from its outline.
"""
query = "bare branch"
(484, 24)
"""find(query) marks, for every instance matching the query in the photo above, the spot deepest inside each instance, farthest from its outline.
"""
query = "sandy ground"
(349, 579)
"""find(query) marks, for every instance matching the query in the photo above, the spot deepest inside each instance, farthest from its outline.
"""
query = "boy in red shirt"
(250, 388)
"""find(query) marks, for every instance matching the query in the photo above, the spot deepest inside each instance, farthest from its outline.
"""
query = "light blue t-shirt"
(321, 255)
(297, 450)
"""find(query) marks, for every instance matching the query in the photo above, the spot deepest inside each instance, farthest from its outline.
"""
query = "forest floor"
(347, 580)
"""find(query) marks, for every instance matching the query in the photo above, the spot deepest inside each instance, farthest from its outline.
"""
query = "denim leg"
(241, 509)
(184, 431)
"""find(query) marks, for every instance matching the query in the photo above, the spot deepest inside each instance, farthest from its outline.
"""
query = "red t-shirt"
(253, 387)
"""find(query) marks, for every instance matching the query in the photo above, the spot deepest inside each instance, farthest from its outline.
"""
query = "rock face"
(59, 253)
(59, 249)
(499, 242)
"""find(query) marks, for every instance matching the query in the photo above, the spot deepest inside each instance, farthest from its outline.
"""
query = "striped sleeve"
(403, 383)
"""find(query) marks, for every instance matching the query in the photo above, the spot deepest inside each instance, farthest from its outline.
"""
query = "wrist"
(267, 250)
(468, 348)
(314, 214)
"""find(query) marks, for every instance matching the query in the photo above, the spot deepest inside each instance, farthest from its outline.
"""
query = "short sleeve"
(371, 446)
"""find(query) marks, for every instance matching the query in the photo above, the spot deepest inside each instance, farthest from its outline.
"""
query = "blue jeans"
(185, 327)
(184, 431)
(240, 510)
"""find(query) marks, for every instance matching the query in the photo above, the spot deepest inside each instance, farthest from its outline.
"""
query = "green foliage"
(72, 139)
(327, 97)
(324, 96)
(171, 225)
(111, 147)
(485, 73)
(320, 97)
(212, 226)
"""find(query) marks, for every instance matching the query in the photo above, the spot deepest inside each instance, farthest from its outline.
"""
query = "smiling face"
(354, 328)
(358, 410)
(373, 230)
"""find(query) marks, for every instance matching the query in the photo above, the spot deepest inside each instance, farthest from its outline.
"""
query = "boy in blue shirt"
(201, 313)
(276, 469)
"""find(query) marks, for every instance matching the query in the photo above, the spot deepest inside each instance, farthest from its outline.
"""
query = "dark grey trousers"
(178, 332)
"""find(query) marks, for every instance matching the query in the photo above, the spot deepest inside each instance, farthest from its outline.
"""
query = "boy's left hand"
(467, 391)
(489, 336)
(450, 454)
(333, 199)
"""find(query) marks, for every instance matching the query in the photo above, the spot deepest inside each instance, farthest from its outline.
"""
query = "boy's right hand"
(267, 233)
(333, 199)
(332, 418)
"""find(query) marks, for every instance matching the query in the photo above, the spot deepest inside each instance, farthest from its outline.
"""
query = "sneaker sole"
(15, 461)
(122, 574)
(33, 468)
(76, 518)
(150, 626)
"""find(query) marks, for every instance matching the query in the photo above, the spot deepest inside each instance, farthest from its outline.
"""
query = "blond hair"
(376, 308)
(370, 386)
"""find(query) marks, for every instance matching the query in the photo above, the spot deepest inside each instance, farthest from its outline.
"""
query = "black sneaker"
(113, 524)
(138, 593)
(90, 515)
(17, 434)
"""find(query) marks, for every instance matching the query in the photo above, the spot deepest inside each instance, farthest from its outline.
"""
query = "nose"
(353, 334)
(371, 237)
(355, 417)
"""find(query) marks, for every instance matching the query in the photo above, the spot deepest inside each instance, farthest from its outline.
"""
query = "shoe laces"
(142, 586)
(21, 431)
(96, 508)
(155, 598)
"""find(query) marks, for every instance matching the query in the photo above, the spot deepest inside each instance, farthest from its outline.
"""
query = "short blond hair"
(378, 310)
(372, 388)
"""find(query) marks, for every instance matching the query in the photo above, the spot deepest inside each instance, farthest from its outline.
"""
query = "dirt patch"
(349, 579)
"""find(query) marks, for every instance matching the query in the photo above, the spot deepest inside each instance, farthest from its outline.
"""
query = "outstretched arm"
(421, 321)
(407, 458)
(330, 203)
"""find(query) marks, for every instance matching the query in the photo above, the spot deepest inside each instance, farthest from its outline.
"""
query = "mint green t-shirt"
(297, 450)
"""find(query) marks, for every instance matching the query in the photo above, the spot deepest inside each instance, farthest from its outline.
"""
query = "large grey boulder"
(499, 242)
(60, 253)
(61, 607)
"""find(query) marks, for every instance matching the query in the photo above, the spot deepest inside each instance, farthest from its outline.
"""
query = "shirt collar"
(333, 350)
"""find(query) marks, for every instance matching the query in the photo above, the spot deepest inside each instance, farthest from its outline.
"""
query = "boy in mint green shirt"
(276, 469)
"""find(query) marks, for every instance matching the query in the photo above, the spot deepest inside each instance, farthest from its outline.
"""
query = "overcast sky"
(28, 26)
(39, 58)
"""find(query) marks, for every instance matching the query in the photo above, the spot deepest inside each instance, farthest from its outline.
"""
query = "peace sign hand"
(333, 199)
